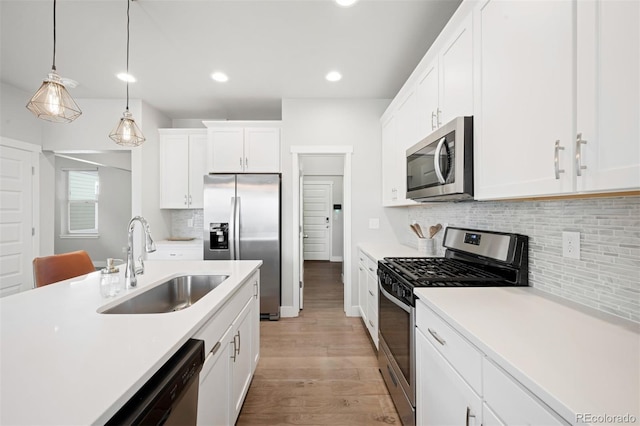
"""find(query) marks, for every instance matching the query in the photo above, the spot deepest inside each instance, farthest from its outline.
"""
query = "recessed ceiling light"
(346, 3)
(220, 77)
(333, 76)
(126, 77)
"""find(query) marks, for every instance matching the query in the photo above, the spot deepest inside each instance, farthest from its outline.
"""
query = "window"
(83, 187)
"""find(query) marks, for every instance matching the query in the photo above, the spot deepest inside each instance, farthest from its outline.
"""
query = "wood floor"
(320, 368)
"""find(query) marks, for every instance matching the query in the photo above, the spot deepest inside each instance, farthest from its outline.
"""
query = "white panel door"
(428, 101)
(262, 150)
(608, 95)
(16, 220)
(456, 76)
(197, 169)
(227, 145)
(174, 175)
(317, 221)
(526, 99)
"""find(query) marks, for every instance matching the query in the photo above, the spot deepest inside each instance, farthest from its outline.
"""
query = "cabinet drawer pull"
(371, 323)
(579, 143)
(437, 337)
(233, 355)
(371, 269)
(556, 159)
(185, 200)
(215, 348)
(238, 348)
(438, 117)
(370, 292)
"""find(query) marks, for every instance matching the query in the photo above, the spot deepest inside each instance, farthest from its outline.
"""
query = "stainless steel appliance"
(170, 397)
(440, 167)
(472, 258)
(242, 222)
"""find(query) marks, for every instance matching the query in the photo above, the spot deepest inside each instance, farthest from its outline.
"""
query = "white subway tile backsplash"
(607, 276)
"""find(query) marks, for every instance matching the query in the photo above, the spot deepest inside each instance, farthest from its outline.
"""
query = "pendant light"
(52, 102)
(127, 132)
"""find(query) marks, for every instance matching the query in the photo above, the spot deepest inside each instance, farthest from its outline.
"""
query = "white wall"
(114, 211)
(336, 122)
(149, 177)
(17, 122)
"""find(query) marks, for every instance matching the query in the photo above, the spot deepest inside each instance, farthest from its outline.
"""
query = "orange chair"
(59, 267)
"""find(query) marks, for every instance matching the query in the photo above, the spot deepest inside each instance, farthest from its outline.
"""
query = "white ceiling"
(271, 49)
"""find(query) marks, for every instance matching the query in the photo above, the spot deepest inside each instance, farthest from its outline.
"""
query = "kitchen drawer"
(512, 402)
(464, 357)
(215, 327)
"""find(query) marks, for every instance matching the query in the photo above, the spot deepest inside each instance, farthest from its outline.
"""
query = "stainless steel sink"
(170, 296)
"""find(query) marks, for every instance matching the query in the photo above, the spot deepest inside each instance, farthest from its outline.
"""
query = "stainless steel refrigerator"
(242, 222)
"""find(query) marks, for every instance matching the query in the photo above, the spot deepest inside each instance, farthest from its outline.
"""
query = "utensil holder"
(427, 246)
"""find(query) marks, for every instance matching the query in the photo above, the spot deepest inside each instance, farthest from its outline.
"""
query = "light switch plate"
(571, 245)
(374, 223)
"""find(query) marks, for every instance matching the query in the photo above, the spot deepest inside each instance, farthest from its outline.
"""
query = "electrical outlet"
(190, 223)
(571, 245)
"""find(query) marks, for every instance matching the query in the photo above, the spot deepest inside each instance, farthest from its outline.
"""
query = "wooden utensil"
(419, 230)
(415, 231)
(433, 230)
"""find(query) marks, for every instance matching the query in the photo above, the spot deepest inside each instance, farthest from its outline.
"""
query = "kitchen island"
(63, 362)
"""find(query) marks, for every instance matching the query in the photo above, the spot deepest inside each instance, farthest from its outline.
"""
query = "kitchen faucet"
(149, 246)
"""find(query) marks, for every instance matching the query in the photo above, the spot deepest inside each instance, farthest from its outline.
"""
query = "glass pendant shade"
(127, 132)
(52, 102)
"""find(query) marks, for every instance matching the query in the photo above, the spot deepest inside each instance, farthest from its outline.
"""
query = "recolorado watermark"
(590, 418)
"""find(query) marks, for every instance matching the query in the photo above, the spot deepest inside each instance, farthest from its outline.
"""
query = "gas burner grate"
(439, 271)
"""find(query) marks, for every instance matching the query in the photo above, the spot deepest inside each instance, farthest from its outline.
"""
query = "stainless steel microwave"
(440, 167)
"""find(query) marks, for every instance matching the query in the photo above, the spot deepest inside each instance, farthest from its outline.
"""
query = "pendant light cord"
(128, 6)
(53, 67)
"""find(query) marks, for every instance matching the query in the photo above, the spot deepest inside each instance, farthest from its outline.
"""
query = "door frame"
(330, 216)
(345, 151)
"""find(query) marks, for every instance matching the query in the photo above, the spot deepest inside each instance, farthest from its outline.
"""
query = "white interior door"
(317, 220)
(16, 220)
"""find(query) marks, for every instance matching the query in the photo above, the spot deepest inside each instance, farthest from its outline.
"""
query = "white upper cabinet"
(608, 95)
(558, 113)
(445, 88)
(244, 149)
(399, 132)
(183, 164)
(523, 127)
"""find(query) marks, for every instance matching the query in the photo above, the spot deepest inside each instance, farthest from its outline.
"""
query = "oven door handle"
(393, 299)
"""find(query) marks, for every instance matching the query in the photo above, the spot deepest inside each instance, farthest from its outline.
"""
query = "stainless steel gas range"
(473, 258)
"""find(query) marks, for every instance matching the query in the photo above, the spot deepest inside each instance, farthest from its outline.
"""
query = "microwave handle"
(436, 162)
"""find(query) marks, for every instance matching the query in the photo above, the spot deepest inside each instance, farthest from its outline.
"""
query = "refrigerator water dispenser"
(218, 236)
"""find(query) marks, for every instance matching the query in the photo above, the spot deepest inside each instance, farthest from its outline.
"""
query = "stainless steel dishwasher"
(170, 397)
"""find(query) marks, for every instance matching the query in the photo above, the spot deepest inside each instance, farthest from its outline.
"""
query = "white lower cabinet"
(215, 377)
(443, 397)
(458, 384)
(232, 345)
(368, 294)
(511, 402)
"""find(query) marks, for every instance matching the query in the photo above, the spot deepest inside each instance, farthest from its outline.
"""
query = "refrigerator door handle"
(232, 225)
(236, 230)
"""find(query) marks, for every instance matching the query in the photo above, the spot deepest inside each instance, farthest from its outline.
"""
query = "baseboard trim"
(335, 259)
(288, 312)
(354, 311)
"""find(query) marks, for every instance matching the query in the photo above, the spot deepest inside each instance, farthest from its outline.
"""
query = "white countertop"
(575, 359)
(61, 362)
(378, 251)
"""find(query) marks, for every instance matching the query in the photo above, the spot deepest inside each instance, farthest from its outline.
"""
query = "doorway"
(299, 154)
